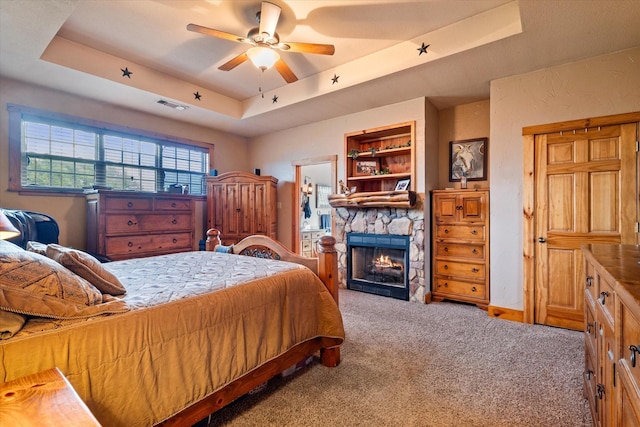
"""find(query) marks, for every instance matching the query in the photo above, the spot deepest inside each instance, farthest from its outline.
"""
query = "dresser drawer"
(589, 378)
(147, 222)
(458, 250)
(148, 243)
(457, 287)
(606, 299)
(466, 232)
(630, 341)
(591, 281)
(306, 245)
(450, 268)
(173, 204)
(128, 204)
(590, 331)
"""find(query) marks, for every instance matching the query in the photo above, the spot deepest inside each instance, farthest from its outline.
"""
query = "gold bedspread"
(173, 348)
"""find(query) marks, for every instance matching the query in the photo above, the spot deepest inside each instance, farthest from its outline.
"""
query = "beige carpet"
(441, 364)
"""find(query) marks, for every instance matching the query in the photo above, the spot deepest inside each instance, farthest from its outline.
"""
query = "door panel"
(585, 187)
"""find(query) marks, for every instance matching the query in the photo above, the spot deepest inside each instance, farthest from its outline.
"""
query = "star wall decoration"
(274, 100)
(126, 72)
(335, 79)
(423, 49)
(197, 95)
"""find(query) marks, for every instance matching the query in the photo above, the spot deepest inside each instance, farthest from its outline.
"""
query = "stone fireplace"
(385, 221)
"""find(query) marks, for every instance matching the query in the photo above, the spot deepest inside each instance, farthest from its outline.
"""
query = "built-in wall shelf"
(379, 159)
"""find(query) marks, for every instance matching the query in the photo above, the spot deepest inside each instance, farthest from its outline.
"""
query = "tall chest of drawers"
(460, 233)
(122, 225)
(612, 334)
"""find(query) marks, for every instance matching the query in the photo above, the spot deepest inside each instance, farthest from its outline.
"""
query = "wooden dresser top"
(621, 263)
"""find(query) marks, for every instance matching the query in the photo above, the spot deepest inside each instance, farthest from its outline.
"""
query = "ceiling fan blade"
(321, 49)
(269, 15)
(234, 62)
(285, 71)
(216, 33)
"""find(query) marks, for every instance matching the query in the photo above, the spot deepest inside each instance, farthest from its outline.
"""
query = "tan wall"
(595, 87)
(459, 123)
(274, 153)
(69, 211)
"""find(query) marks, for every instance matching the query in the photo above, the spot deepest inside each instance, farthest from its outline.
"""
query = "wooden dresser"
(122, 225)
(240, 204)
(460, 223)
(612, 334)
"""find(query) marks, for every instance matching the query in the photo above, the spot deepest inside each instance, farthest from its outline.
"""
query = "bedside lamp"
(7, 230)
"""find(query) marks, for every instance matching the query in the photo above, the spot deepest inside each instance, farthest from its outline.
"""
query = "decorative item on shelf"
(403, 184)
(366, 167)
(7, 229)
(256, 172)
(468, 158)
(342, 187)
(354, 153)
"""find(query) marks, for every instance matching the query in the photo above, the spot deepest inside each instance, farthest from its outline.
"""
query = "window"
(54, 152)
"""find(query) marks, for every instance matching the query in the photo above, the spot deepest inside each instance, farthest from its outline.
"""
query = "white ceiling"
(80, 47)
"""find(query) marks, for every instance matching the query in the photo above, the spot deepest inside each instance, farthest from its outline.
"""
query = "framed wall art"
(468, 158)
(322, 196)
(403, 184)
(366, 167)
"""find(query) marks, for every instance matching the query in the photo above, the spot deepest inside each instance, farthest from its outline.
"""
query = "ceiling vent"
(173, 105)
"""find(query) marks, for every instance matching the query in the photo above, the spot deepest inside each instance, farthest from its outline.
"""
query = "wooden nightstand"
(43, 399)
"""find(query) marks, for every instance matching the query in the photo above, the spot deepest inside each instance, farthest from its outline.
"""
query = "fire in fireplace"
(378, 264)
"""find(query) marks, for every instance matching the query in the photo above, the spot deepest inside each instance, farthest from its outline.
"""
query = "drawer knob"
(589, 326)
(633, 350)
(446, 249)
(589, 373)
(474, 270)
(173, 205)
(446, 231)
(175, 240)
(603, 295)
(600, 391)
(130, 223)
(130, 204)
(458, 208)
(446, 267)
(475, 251)
(589, 281)
(446, 285)
(474, 231)
(130, 244)
(473, 289)
(174, 221)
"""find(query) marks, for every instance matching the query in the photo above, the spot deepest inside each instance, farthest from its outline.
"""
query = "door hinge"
(637, 146)
(637, 227)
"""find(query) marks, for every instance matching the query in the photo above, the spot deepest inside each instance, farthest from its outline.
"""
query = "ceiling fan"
(265, 42)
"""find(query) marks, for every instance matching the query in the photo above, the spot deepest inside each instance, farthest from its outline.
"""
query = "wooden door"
(472, 207)
(585, 194)
(246, 208)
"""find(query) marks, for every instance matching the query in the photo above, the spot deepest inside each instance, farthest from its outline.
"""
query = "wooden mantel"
(374, 199)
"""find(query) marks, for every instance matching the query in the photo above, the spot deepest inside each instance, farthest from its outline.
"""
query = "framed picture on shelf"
(366, 167)
(468, 158)
(403, 184)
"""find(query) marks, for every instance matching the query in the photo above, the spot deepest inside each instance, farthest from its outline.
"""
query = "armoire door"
(585, 193)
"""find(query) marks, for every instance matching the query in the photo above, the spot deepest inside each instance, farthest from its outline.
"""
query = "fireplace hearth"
(378, 264)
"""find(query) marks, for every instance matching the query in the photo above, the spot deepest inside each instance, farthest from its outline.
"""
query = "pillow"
(34, 285)
(37, 247)
(87, 267)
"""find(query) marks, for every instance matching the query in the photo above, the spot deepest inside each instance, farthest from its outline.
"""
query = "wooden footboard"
(326, 268)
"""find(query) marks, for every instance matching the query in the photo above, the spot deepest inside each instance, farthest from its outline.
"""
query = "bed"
(193, 332)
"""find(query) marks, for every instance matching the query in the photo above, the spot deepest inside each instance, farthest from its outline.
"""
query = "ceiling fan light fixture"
(263, 57)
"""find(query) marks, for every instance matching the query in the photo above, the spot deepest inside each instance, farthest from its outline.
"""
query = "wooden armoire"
(240, 204)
